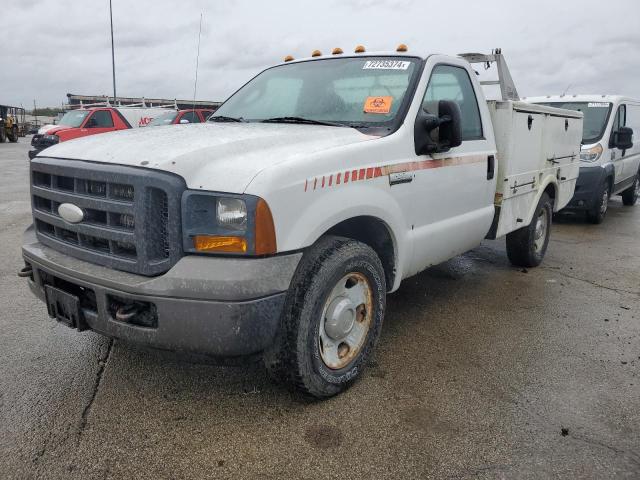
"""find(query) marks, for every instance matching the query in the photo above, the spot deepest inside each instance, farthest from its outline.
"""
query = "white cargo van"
(610, 159)
(278, 226)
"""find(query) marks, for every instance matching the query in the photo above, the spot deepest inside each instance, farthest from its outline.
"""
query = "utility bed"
(532, 142)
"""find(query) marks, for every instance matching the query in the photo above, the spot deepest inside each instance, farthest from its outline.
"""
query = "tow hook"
(126, 312)
(25, 271)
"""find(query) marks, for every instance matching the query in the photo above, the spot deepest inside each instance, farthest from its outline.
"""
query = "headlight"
(49, 140)
(591, 154)
(227, 224)
(232, 213)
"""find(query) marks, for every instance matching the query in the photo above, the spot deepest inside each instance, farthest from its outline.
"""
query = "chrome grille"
(131, 216)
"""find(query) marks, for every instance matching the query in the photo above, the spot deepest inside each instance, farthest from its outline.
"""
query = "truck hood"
(46, 128)
(209, 156)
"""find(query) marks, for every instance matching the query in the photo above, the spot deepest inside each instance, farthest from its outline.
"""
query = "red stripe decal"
(362, 174)
(354, 176)
(338, 179)
(377, 172)
(323, 181)
(315, 182)
(346, 177)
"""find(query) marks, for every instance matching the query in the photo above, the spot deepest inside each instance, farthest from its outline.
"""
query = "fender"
(357, 201)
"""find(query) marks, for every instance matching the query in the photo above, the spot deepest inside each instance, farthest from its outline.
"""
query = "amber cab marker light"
(336, 51)
(402, 48)
(288, 58)
(265, 234)
(359, 49)
(222, 244)
(316, 53)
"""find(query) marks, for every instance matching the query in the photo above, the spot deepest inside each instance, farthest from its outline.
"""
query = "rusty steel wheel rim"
(346, 320)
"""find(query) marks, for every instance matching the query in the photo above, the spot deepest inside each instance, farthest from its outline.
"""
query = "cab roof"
(392, 53)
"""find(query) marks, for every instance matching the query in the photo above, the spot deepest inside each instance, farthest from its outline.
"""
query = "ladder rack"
(507, 87)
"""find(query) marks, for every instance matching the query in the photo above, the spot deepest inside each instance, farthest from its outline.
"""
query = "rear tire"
(3, 133)
(599, 211)
(527, 246)
(325, 339)
(631, 194)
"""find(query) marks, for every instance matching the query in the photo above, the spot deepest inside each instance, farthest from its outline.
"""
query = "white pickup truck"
(278, 227)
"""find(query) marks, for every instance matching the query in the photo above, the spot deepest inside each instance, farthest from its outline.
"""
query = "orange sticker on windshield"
(378, 104)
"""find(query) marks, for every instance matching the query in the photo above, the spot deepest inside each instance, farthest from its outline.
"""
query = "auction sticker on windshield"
(385, 65)
(378, 104)
(598, 105)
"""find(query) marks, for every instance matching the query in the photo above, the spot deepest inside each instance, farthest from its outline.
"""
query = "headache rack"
(507, 87)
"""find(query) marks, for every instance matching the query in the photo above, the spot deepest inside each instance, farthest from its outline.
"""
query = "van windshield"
(73, 118)
(357, 92)
(595, 117)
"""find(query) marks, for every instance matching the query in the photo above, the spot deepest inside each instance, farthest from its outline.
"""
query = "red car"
(91, 121)
(181, 116)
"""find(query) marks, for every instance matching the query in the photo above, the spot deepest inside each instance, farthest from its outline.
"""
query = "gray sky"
(51, 47)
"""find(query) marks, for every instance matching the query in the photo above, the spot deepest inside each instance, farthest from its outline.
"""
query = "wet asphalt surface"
(483, 371)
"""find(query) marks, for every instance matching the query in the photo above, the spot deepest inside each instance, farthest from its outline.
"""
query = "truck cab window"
(453, 83)
(100, 119)
(191, 116)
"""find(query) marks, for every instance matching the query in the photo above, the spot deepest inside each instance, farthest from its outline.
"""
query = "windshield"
(595, 117)
(73, 118)
(353, 92)
(164, 119)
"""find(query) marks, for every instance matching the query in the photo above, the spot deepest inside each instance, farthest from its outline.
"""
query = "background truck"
(91, 120)
(609, 159)
(279, 226)
(178, 117)
(12, 123)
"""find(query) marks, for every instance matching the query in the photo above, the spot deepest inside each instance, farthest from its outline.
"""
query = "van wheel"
(3, 133)
(331, 320)
(526, 247)
(599, 211)
(631, 194)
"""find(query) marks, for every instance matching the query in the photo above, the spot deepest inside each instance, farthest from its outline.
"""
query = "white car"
(280, 225)
(610, 159)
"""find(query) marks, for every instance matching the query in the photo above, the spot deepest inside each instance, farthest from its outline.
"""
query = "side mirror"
(438, 133)
(623, 138)
(184, 120)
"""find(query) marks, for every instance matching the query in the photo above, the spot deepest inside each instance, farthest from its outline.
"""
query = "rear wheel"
(3, 133)
(599, 211)
(13, 136)
(527, 246)
(631, 194)
(331, 320)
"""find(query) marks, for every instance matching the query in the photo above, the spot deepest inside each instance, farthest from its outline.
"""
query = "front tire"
(331, 320)
(13, 137)
(527, 246)
(631, 194)
(599, 211)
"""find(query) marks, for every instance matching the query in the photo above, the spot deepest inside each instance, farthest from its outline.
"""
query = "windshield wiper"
(222, 118)
(301, 120)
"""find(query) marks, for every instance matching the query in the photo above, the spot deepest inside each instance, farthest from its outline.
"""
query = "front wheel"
(599, 211)
(331, 320)
(631, 194)
(13, 137)
(526, 247)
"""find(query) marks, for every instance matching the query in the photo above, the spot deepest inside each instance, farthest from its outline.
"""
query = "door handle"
(491, 167)
(401, 177)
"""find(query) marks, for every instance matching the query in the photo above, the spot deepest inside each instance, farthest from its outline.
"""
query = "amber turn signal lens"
(316, 53)
(359, 49)
(265, 230)
(337, 51)
(402, 48)
(214, 243)
(288, 58)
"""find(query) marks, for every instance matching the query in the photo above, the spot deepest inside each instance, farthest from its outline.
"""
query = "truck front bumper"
(588, 188)
(210, 305)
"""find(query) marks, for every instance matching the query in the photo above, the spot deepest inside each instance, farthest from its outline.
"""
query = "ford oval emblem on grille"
(70, 212)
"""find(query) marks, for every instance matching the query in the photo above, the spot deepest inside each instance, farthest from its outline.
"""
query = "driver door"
(99, 121)
(454, 192)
